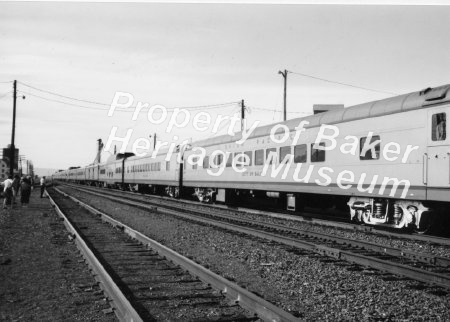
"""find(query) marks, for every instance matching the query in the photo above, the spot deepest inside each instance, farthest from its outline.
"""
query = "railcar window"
(317, 155)
(368, 155)
(284, 151)
(259, 157)
(229, 160)
(167, 165)
(206, 162)
(194, 163)
(300, 153)
(218, 159)
(238, 156)
(249, 154)
(439, 127)
(268, 153)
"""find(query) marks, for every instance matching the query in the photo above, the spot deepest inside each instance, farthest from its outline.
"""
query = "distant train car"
(152, 174)
(92, 174)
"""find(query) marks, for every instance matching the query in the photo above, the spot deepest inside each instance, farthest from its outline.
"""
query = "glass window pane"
(439, 127)
(206, 162)
(249, 155)
(259, 157)
(284, 151)
(238, 156)
(300, 153)
(368, 154)
(230, 160)
(274, 150)
(317, 155)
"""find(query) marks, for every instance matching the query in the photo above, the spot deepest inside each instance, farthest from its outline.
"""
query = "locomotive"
(387, 162)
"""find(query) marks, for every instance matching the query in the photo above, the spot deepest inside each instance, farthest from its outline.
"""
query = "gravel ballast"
(309, 285)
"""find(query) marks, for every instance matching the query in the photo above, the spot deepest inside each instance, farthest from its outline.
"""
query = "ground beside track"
(42, 277)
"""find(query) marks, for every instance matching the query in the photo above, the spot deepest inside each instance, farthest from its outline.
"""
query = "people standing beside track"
(42, 186)
(25, 191)
(15, 188)
(7, 192)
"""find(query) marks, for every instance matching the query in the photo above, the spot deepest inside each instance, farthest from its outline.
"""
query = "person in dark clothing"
(25, 191)
(15, 187)
(42, 186)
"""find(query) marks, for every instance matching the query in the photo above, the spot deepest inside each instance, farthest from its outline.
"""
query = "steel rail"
(384, 265)
(388, 250)
(122, 307)
(264, 309)
(300, 218)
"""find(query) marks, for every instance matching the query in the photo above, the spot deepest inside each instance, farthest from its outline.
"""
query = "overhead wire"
(118, 110)
(109, 105)
(64, 96)
(340, 83)
(276, 110)
(62, 102)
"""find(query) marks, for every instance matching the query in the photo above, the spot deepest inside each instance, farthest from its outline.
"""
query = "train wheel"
(426, 222)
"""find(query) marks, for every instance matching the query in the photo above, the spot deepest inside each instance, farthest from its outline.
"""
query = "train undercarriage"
(410, 214)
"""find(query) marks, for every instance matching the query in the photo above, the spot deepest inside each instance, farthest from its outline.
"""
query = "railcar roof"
(402, 103)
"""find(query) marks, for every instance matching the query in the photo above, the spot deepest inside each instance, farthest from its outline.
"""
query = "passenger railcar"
(388, 161)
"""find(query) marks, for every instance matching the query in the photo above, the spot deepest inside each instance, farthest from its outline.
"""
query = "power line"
(66, 103)
(274, 110)
(64, 96)
(344, 84)
(109, 105)
(205, 106)
(6, 82)
(118, 110)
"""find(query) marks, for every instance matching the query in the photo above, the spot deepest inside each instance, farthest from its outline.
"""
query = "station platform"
(42, 276)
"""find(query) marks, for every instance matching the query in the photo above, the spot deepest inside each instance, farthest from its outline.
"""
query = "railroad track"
(418, 266)
(310, 219)
(148, 281)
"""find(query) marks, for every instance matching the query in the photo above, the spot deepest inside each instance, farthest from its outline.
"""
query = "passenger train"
(387, 162)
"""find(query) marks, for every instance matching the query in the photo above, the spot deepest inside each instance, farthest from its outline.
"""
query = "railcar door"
(437, 158)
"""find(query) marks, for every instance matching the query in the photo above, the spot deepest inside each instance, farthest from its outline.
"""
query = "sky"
(200, 56)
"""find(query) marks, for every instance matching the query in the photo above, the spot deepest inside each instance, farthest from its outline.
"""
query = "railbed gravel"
(397, 242)
(310, 286)
(405, 244)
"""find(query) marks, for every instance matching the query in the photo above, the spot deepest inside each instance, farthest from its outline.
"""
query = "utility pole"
(285, 84)
(242, 115)
(13, 149)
